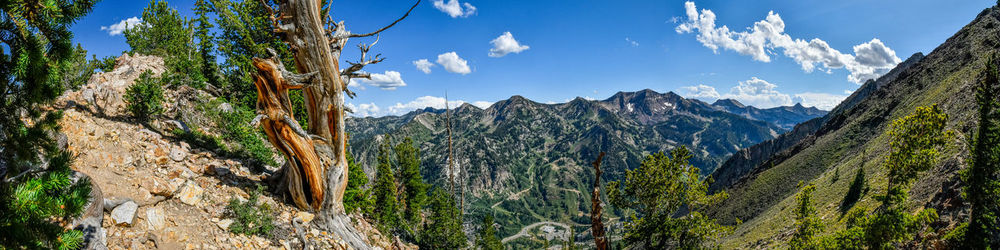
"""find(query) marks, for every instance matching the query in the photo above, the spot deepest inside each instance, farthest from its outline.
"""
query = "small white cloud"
(760, 41)
(423, 65)
(631, 42)
(453, 63)
(455, 9)
(390, 80)
(364, 110)
(121, 26)
(506, 44)
(700, 91)
(848, 91)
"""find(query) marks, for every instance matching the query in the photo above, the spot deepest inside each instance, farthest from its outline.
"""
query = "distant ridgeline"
(529, 162)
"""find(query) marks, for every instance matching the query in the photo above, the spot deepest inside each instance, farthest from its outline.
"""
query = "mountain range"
(529, 162)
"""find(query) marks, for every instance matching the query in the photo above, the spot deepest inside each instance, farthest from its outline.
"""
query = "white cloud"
(632, 42)
(364, 110)
(454, 64)
(870, 59)
(429, 101)
(423, 65)
(505, 44)
(758, 93)
(482, 104)
(762, 94)
(354, 84)
(390, 80)
(848, 91)
(121, 26)
(700, 91)
(822, 101)
(454, 9)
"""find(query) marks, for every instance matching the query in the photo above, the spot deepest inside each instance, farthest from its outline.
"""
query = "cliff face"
(852, 137)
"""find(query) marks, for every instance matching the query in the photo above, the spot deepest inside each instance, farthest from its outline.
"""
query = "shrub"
(250, 218)
(144, 99)
(236, 127)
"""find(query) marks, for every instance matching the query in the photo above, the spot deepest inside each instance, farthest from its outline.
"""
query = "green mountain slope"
(528, 162)
(828, 157)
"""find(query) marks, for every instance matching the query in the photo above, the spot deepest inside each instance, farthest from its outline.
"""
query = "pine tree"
(444, 230)
(982, 188)
(356, 197)
(657, 190)
(206, 48)
(807, 225)
(386, 212)
(166, 34)
(914, 140)
(414, 188)
(486, 238)
(37, 195)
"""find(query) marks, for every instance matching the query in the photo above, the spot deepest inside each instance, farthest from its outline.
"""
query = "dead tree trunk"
(596, 225)
(315, 175)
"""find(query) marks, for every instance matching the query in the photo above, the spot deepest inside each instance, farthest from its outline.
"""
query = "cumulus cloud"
(482, 104)
(505, 44)
(423, 65)
(121, 26)
(453, 63)
(455, 9)
(354, 84)
(390, 80)
(870, 59)
(700, 91)
(631, 42)
(364, 110)
(762, 94)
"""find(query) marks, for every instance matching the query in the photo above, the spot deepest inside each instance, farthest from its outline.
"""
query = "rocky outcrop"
(104, 92)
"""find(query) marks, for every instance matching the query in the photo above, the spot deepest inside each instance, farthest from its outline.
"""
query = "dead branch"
(596, 225)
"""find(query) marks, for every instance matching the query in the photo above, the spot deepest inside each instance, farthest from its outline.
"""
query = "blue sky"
(770, 53)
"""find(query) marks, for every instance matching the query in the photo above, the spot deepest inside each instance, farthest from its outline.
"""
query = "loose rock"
(155, 219)
(177, 154)
(190, 194)
(124, 213)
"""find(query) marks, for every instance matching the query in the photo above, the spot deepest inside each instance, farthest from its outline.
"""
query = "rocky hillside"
(852, 137)
(529, 162)
(160, 192)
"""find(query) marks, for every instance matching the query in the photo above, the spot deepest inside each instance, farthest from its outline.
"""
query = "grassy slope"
(945, 77)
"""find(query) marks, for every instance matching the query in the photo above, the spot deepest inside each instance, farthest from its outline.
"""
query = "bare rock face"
(104, 92)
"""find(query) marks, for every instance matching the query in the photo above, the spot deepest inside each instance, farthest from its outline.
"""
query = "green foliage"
(144, 99)
(913, 148)
(444, 229)
(855, 191)
(245, 32)
(165, 33)
(236, 127)
(249, 218)
(657, 191)
(76, 70)
(356, 196)
(807, 224)
(982, 178)
(386, 212)
(486, 238)
(106, 64)
(36, 50)
(415, 190)
(202, 24)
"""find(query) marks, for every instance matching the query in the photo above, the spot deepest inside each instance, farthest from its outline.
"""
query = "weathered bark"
(596, 225)
(315, 175)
